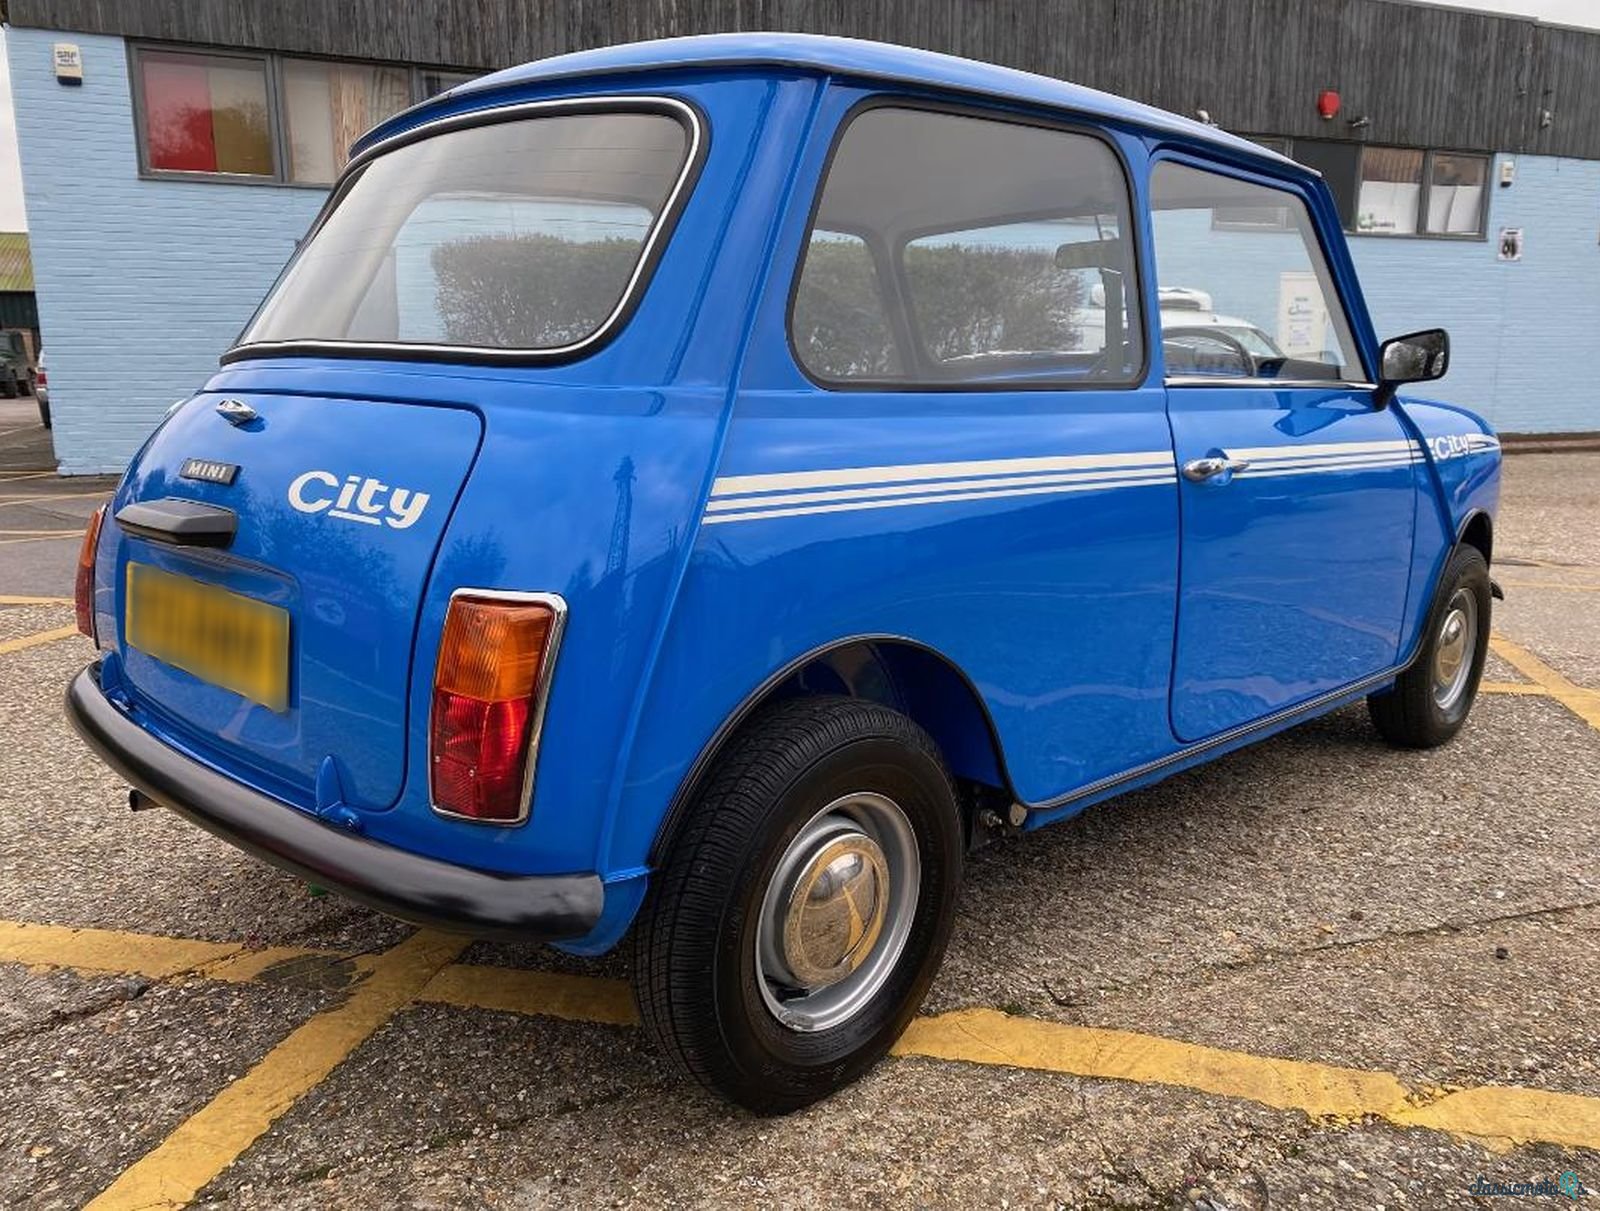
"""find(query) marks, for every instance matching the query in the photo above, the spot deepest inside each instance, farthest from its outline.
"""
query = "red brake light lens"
(492, 669)
(83, 586)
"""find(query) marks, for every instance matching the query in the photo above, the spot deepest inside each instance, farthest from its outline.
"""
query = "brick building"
(167, 186)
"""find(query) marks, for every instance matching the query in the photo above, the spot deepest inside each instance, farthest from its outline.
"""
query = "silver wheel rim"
(837, 912)
(1454, 649)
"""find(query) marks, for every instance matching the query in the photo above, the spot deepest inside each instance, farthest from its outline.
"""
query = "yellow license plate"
(236, 642)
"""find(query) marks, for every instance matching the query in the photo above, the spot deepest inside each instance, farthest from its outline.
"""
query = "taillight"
(489, 686)
(40, 377)
(83, 587)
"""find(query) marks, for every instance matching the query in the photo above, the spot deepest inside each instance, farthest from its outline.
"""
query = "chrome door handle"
(1198, 469)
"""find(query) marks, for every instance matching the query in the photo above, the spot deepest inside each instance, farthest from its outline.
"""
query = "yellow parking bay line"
(118, 952)
(1510, 687)
(212, 1138)
(549, 994)
(37, 638)
(1585, 704)
(1571, 585)
(7, 599)
(423, 968)
(987, 1036)
(1492, 1112)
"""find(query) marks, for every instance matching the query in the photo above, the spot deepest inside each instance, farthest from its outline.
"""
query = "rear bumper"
(421, 890)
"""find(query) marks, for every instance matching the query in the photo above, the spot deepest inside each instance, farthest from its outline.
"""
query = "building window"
(264, 117)
(205, 113)
(432, 83)
(328, 106)
(1388, 191)
(1391, 188)
(1456, 193)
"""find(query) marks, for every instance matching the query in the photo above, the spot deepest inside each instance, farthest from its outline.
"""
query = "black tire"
(1411, 714)
(44, 412)
(696, 975)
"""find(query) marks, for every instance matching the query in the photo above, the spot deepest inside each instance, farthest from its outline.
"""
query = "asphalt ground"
(1319, 972)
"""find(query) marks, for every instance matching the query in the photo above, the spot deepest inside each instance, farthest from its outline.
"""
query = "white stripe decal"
(726, 504)
(1279, 472)
(845, 476)
(944, 498)
(1259, 452)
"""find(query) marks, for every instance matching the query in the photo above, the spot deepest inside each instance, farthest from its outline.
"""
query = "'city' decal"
(1456, 445)
(366, 500)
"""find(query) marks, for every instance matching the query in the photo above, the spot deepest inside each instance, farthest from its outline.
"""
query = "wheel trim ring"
(1455, 649)
(881, 819)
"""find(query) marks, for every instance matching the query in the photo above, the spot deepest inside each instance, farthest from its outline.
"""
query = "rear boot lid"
(340, 508)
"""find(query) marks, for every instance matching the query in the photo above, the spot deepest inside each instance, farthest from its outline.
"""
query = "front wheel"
(1430, 700)
(804, 904)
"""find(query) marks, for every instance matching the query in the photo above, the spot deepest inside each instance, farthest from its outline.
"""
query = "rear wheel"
(1430, 701)
(804, 905)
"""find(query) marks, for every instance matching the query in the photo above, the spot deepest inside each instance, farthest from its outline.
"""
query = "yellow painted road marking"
(13, 477)
(39, 637)
(118, 952)
(212, 1138)
(58, 530)
(576, 998)
(11, 542)
(423, 969)
(1510, 687)
(11, 600)
(987, 1036)
(1585, 704)
(27, 500)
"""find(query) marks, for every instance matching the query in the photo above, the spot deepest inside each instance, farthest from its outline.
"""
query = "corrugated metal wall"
(1426, 76)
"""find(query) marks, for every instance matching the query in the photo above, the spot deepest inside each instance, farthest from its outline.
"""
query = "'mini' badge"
(208, 471)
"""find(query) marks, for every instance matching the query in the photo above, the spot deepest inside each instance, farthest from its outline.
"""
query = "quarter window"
(955, 249)
(1248, 303)
(205, 113)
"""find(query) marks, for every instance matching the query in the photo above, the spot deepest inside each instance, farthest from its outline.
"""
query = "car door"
(1297, 492)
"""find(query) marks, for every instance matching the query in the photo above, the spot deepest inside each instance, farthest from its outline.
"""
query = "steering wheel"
(1227, 340)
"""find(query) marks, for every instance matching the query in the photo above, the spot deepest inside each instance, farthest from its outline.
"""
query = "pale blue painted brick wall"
(1523, 334)
(141, 284)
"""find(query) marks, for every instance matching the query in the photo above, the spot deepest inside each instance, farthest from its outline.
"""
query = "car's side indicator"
(490, 684)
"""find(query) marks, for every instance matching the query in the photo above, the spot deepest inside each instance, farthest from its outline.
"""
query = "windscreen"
(515, 235)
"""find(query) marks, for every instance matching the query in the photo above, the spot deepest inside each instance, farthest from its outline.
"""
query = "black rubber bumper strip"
(179, 523)
(423, 891)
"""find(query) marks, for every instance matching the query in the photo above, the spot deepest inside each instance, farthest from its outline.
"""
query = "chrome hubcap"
(1454, 648)
(837, 911)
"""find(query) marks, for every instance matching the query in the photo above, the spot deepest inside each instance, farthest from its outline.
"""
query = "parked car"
(14, 373)
(660, 495)
(41, 391)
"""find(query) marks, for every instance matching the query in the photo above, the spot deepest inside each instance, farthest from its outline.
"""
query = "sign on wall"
(1510, 244)
(1302, 314)
(68, 60)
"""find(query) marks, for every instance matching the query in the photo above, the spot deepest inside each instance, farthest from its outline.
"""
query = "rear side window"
(951, 249)
(524, 235)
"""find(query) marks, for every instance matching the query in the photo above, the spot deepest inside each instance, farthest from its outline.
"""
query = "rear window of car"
(526, 235)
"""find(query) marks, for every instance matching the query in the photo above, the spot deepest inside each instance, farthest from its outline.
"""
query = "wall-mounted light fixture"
(1328, 104)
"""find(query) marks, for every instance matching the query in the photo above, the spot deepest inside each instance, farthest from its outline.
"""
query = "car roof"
(880, 61)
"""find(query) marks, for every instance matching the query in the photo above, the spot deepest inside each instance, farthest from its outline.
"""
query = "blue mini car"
(707, 487)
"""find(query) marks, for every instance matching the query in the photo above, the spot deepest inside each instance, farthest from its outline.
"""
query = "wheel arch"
(1477, 530)
(903, 674)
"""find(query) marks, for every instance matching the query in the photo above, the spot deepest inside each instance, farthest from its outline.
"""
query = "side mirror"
(1418, 357)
